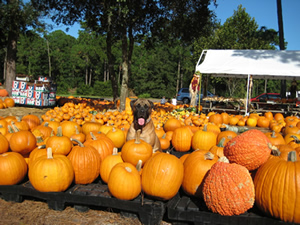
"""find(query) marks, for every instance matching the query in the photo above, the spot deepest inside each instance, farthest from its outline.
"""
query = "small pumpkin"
(59, 143)
(228, 188)
(171, 124)
(182, 139)
(4, 144)
(203, 139)
(32, 120)
(13, 168)
(124, 181)
(117, 136)
(22, 142)
(136, 149)
(108, 163)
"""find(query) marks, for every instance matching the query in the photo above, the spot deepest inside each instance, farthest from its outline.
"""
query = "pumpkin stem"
(292, 156)
(77, 141)
(128, 169)
(296, 139)
(137, 136)
(46, 124)
(93, 136)
(41, 146)
(115, 151)
(274, 150)
(59, 132)
(209, 156)
(221, 142)
(10, 129)
(139, 165)
(49, 153)
(273, 135)
(14, 127)
(223, 159)
(76, 130)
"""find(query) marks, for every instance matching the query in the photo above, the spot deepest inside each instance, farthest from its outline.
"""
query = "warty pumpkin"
(277, 188)
(51, 173)
(228, 188)
(250, 149)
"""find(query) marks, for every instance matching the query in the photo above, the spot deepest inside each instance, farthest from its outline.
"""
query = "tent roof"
(269, 64)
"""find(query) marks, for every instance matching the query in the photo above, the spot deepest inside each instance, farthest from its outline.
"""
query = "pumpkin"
(182, 139)
(4, 144)
(32, 120)
(51, 173)
(136, 149)
(86, 163)
(53, 124)
(69, 128)
(171, 124)
(90, 126)
(277, 188)
(159, 131)
(275, 138)
(164, 142)
(162, 176)
(19, 125)
(108, 163)
(124, 181)
(3, 93)
(196, 166)
(78, 136)
(203, 139)
(228, 188)
(102, 144)
(44, 129)
(36, 153)
(117, 136)
(59, 144)
(216, 119)
(13, 168)
(218, 149)
(9, 102)
(250, 149)
(227, 134)
(22, 142)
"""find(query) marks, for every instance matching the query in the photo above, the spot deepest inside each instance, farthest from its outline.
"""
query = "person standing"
(294, 88)
(163, 100)
(174, 100)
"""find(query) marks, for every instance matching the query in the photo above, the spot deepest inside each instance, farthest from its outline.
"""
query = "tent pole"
(247, 97)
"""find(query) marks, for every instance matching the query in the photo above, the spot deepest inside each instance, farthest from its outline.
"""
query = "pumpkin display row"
(199, 173)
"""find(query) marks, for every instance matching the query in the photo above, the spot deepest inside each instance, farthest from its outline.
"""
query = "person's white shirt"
(174, 101)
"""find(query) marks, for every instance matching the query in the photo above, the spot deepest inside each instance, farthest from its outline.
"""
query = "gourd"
(228, 188)
(250, 149)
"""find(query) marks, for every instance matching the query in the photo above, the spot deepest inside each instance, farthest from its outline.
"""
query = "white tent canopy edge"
(259, 64)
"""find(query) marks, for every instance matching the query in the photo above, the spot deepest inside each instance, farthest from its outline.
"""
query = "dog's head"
(141, 109)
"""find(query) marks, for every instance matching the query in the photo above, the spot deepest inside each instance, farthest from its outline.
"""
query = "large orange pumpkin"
(162, 176)
(250, 149)
(108, 163)
(182, 139)
(51, 173)
(277, 188)
(228, 188)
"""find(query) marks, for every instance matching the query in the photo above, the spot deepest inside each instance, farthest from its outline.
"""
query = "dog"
(142, 109)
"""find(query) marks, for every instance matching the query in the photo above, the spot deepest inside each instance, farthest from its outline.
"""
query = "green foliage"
(145, 95)
(102, 88)
(85, 90)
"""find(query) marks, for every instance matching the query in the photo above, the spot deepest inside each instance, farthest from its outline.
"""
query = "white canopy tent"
(260, 64)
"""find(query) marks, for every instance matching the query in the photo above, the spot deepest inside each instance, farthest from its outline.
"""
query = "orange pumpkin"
(171, 124)
(22, 142)
(203, 139)
(108, 163)
(182, 139)
(59, 144)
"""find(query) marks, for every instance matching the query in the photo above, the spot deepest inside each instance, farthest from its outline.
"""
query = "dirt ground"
(30, 212)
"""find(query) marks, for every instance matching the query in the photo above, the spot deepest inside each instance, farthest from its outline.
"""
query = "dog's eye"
(138, 106)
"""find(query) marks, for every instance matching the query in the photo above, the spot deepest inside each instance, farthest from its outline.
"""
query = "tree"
(127, 21)
(16, 17)
(239, 31)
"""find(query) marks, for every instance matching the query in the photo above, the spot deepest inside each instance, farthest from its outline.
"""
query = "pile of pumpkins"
(6, 102)
(229, 169)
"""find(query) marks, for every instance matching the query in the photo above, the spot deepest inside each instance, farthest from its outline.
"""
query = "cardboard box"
(30, 86)
(15, 92)
(22, 100)
(23, 93)
(41, 102)
(30, 101)
(30, 93)
(16, 99)
(40, 95)
(23, 85)
(52, 101)
(15, 84)
(22, 77)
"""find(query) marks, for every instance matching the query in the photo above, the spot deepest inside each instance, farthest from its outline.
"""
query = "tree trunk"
(178, 75)
(90, 78)
(124, 86)
(111, 61)
(49, 57)
(11, 60)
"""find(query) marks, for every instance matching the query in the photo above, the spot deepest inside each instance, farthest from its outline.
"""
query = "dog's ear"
(151, 104)
(132, 103)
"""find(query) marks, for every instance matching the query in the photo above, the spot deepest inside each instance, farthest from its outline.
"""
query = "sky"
(263, 11)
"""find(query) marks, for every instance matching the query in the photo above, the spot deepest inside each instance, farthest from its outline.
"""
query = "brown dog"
(142, 109)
